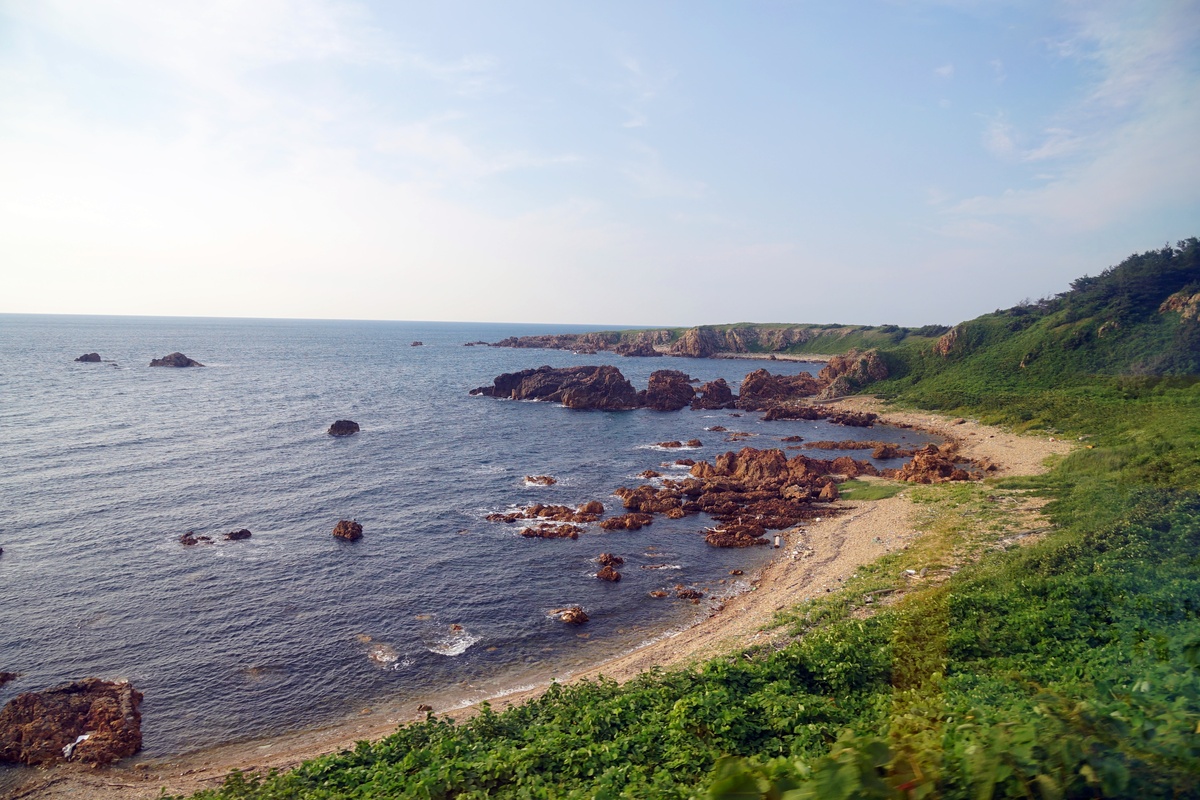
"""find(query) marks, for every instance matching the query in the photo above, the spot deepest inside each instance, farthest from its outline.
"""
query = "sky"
(626, 163)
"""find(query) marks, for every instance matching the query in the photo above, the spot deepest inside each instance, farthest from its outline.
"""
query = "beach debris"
(238, 535)
(609, 574)
(343, 427)
(609, 560)
(92, 721)
(540, 480)
(348, 529)
(89, 358)
(572, 615)
(175, 360)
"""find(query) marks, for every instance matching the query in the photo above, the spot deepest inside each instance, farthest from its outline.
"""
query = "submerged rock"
(343, 427)
(89, 358)
(348, 529)
(91, 721)
(175, 360)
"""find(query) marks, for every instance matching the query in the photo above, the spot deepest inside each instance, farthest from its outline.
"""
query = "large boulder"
(668, 390)
(714, 395)
(761, 389)
(51, 726)
(601, 388)
(175, 360)
(89, 358)
(343, 427)
(348, 529)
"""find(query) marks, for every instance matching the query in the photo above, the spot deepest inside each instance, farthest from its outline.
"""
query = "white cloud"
(945, 71)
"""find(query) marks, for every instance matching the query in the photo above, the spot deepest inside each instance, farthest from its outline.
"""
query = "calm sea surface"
(104, 466)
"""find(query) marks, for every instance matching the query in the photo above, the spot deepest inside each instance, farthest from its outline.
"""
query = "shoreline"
(813, 560)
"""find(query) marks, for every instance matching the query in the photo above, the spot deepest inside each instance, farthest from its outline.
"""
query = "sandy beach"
(811, 562)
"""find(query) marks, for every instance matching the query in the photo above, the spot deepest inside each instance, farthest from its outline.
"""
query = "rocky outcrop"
(604, 560)
(348, 529)
(947, 342)
(89, 358)
(238, 535)
(602, 388)
(540, 480)
(91, 721)
(854, 419)
(851, 372)
(572, 615)
(1184, 302)
(343, 427)
(609, 574)
(175, 360)
(644, 344)
(932, 464)
(713, 396)
(548, 530)
(668, 390)
(627, 522)
(761, 390)
(588, 512)
(417, 344)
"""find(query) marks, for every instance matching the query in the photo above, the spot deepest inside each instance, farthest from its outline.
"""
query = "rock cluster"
(348, 529)
(602, 388)
(627, 522)
(607, 573)
(850, 419)
(175, 360)
(89, 358)
(604, 560)
(762, 390)
(343, 427)
(91, 721)
(548, 530)
(588, 512)
(932, 464)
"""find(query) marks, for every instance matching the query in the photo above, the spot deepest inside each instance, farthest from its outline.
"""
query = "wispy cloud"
(641, 87)
(647, 172)
(945, 71)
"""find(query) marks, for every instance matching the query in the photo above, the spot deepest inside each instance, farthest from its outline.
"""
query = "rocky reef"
(175, 360)
(89, 358)
(90, 721)
(343, 427)
(601, 387)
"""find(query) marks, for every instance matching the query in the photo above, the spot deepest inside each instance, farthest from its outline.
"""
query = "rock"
(716, 428)
(761, 390)
(713, 396)
(546, 530)
(658, 593)
(588, 512)
(348, 529)
(343, 427)
(417, 344)
(175, 360)
(609, 574)
(540, 480)
(689, 594)
(947, 343)
(627, 522)
(573, 615)
(424, 708)
(89, 358)
(605, 560)
(36, 727)
(237, 536)
(476, 344)
(736, 572)
(601, 388)
(668, 390)
(684, 462)
(5, 677)
(829, 493)
(189, 539)
(932, 465)
(591, 508)
(649, 473)
(849, 373)
(693, 443)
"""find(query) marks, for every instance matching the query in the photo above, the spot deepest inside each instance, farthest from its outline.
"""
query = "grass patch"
(870, 490)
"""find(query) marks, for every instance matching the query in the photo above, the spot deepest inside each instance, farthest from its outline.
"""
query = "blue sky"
(610, 163)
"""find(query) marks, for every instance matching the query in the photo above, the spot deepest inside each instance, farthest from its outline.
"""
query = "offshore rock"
(761, 389)
(540, 480)
(627, 522)
(343, 427)
(668, 390)
(89, 358)
(714, 396)
(602, 388)
(348, 529)
(238, 535)
(546, 530)
(849, 373)
(573, 615)
(175, 360)
(604, 560)
(42, 727)
(5, 677)
(609, 574)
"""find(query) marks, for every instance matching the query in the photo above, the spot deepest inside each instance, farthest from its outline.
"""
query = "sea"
(105, 465)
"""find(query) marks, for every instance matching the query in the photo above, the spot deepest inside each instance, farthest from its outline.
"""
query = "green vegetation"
(1042, 639)
(870, 490)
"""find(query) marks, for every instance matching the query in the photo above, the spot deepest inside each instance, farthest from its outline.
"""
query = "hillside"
(1064, 666)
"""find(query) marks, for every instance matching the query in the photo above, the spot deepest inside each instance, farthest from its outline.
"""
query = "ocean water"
(104, 466)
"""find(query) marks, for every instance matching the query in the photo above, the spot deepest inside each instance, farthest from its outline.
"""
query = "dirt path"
(813, 560)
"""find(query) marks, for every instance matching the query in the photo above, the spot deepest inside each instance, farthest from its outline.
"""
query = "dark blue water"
(104, 466)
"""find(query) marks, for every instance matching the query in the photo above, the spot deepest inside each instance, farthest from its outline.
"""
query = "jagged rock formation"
(1185, 302)
(604, 560)
(714, 395)
(175, 360)
(668, 390)
(588, 512)
(851, 372)
(603, 387)
(607, 573)
(761, 390)
(91, 721)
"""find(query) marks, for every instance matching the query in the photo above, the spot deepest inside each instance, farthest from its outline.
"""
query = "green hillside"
(1069, 667)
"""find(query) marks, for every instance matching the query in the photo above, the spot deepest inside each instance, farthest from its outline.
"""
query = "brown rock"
(573, 615)
(829, 493)
(849, 373)
(609, 574)
(626, 522)
(689, 594)
(609, 560)
(599, 387)
(348, 529)
(238, 535)
(713, 396)
(35, 727)
(541, 480)
(417, 344)
(668, 390)
(693, 443)
(649, 474)
(89, 358)
(670, 445)
(343, 427)
(5, 677)
(424, 708)
(684, 462)
(175, 360)
(761, 389)
(545, 530)
(659, 593)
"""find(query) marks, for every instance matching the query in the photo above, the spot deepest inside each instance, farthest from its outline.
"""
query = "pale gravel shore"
(813, 560)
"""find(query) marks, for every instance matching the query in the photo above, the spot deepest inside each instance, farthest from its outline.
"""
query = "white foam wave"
(452, 643)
